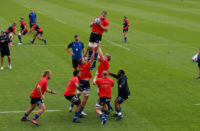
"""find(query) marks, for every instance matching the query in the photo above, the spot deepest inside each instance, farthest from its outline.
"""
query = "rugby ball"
(97, 21)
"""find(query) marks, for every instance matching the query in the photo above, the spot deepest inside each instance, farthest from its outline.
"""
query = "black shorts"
(121, 99)
(5, 52)
(84, 84)
(125, 30)
(40, 33)
(198, 61)
(102, 101)
(36, 100)
(73, 99)
(75, 63)
(24, 33)
(96, 38)
(31, 25)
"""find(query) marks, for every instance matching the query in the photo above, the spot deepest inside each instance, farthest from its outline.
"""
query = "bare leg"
(1, 61)
(41, 109)
(30, 109)
(9, 60)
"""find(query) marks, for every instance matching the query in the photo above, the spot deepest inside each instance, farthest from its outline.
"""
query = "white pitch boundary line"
(113, 43)
(198, 104)
(41, 12)
(11, 112)
(61, 21)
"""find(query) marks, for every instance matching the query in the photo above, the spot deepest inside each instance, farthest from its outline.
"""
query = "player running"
(125, 28)
(77, 49)
(23, 30)
(104, 85)
(98, 25)
(37, 97)
(9, 32)
(4, 48)
(32, 18)
(38, 33)
(123, 92)
(70, 94)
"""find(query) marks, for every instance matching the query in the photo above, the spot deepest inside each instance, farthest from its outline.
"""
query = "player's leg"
(20, 38)
(2, 56)
(10, 39)
(98, 107)
(117, 107)
(85, 98)
(78, 94)
(42, 108)
(35, 35)
(9, 62)
(198, 69)
(40, 37)
(125, 35)
(77, 102)
(29, 110)
(110, 108)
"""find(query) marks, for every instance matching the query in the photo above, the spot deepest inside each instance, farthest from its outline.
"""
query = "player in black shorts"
(125, 28)
(123, 92)
(4, 48)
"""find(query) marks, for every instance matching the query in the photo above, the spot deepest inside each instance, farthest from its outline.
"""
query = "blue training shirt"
(32, 17)
(77, 49)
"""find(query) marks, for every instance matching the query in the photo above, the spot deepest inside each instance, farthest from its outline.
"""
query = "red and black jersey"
(125, 24)
(10, 29)
(37, 28)
(23, 26)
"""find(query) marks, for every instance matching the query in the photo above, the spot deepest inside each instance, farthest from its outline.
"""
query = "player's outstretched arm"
(114, 75)
(50, 91)
(95, 79)
(101, 54)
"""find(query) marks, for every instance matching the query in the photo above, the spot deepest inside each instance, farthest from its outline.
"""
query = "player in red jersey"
(125, 28)
(38, 33)
(11, 30)
(104, 85)
(23, 30)
(98, 28)
(70, 94)
(37, 95)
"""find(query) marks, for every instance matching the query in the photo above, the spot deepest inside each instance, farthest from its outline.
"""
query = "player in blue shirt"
(77, 49)
(32, 18)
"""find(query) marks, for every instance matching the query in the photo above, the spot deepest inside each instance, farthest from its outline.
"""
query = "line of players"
(81, 79)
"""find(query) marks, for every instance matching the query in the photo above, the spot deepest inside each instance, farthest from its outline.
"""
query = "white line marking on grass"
(198, 104)
(27, 6)
(61, 21)
(113, 43)
(11, 112)
(41, 12)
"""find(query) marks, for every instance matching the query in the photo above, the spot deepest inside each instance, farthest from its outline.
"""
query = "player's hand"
(120, 86)
(42, 97)
(73, 54)
(53, 92)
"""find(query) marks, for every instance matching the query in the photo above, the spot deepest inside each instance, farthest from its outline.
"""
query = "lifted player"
(98, 27)
(23, 30)
(104, 85)
(37, 97)
(70, 94)
(9, 32)
(123, 92)
(38, 33)
(125, 28)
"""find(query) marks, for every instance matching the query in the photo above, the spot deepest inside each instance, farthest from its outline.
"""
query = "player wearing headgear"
(123, 92)
(104, 85)
(98, 25)
(23, 29)
(125, 28)
(38, 33)
(9, 32)
(37, 97)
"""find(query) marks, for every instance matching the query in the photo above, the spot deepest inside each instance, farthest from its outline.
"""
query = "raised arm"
(101, 54)
(95, 79)
(114, 75)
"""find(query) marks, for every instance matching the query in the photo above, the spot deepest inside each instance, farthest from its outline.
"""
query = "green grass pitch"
(163, 36)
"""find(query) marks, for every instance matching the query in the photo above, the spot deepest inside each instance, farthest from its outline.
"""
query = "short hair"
(75, 36)
(108, 56)
(105, 73)
(22, 18)
(75, 73)
(122, 72)
(46, 72)
(104, 12)
(125, 17)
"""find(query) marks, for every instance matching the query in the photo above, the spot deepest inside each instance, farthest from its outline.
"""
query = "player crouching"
(9, 32)
(70, 94)
(23, 30)
(37, 96)
(104, 85)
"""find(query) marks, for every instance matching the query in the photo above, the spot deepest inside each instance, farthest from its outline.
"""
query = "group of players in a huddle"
(82, 75)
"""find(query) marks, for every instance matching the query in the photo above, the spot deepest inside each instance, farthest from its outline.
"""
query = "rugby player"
(198, 61)
(70, 94)
(9, 32)
(38, 33)
(104, 85)
(96, 35)
(4, 48)
(104, 66)
(123, 92)
(125, 28)
(32, 18)
(23, 30)
(77, 49)
(37, 97)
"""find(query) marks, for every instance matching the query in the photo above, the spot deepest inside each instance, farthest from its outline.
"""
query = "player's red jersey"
(10, 29)
(23, 26)
(85, 71)
(105, 85)
(125, 24)
(97, 28)
(37, 28)
(104, 65)
(43, 84)
(71, 87)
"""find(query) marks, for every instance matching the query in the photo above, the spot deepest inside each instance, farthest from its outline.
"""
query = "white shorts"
(92, 44)
(86, 92)
(10, 34)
